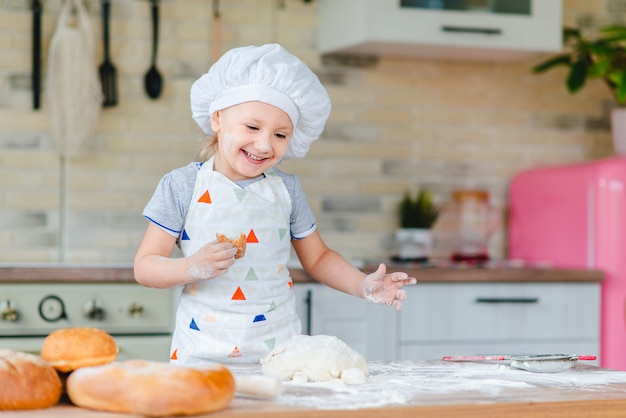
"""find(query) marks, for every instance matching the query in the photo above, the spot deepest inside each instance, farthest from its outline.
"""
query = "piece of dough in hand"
(239, 243)
(320, 358)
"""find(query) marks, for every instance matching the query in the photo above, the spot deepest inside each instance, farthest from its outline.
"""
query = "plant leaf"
(615, 31)
(552, 62)
(599, 69)
(577, 76)
(569, 32)
(420, 212)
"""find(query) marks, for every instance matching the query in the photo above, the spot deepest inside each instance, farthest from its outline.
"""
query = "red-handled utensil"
(475, 358)
(510, 357)
(538, 363)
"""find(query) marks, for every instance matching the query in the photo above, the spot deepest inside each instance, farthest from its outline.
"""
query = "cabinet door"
(385, 27)
(367, 328)
(500, 312)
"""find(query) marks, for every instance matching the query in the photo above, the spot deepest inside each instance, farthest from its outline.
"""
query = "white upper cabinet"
(455, 29)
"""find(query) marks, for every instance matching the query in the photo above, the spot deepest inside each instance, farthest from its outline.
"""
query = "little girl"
(261, 105)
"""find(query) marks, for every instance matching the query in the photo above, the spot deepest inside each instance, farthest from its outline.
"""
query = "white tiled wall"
(400, 124)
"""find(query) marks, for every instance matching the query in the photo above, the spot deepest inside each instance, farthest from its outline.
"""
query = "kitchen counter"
(429, 388)
(124, 273)
(66, 273)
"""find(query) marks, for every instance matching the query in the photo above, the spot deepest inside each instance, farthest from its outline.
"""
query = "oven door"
(146, 347)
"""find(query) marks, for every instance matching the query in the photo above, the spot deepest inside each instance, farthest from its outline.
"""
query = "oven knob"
(93, 310)
(52, 308)
(9, 313)
(135, 310)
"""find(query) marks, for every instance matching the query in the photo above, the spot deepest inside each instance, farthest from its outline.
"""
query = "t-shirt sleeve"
(168, 206)
(303, 222)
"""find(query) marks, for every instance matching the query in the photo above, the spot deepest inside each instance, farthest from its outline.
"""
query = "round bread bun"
(68, 349)
(239, 243)
(151, 388)
(27, 382)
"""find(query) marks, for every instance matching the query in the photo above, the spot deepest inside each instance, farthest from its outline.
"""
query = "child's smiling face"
(252, 138)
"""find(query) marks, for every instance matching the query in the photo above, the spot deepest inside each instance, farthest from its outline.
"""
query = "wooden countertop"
(424, 389)
(23, 273)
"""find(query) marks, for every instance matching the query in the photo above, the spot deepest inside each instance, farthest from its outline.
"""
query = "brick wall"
(397, 125)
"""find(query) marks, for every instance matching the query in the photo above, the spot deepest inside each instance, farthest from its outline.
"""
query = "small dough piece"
(320, 358)
(259, 387)
(152, 388)
(239, 243)
(353, 376)
(27, 382)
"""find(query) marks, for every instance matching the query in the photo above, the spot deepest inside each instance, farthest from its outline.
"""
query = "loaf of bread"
(239, 243)
(27, 381)
(67, 349)
(151, 388)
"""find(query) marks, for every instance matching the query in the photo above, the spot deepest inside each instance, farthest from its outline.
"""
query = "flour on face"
(318, 358)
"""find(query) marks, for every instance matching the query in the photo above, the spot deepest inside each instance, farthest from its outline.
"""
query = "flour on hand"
(318, 358)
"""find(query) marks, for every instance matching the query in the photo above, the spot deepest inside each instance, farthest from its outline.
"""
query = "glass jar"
(474, 223)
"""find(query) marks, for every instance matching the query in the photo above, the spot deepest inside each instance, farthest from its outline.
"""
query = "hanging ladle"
(153, 80)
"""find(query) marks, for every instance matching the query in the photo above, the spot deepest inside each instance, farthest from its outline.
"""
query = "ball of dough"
(320, 358)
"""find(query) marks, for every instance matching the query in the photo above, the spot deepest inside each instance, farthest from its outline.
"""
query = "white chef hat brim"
(271, 75)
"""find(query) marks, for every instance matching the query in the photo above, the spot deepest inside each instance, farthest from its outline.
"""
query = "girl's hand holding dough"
(211, 260)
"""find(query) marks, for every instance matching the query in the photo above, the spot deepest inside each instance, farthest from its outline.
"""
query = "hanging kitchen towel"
(72, 84)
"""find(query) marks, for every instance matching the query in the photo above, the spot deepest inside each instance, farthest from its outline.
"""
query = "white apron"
(240, 316)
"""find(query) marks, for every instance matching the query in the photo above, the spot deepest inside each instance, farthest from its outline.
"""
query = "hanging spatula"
(108, 73)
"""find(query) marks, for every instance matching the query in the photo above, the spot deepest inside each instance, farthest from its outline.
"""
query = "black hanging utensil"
(153, 81)
(36, 75)
(108, 73)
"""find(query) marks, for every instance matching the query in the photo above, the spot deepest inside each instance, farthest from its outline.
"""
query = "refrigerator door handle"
(507, 300)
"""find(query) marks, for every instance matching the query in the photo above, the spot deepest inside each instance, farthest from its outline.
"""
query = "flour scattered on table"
(434, 382)
(318, 358)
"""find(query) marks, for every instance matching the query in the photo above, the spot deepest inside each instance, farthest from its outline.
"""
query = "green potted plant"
(596, 57)
(417, 214)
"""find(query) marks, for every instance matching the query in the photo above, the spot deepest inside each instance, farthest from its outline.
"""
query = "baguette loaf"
(27, 381)
(151, 388)
(67, 349)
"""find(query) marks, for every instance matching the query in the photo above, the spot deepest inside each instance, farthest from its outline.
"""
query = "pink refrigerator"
(574, 216)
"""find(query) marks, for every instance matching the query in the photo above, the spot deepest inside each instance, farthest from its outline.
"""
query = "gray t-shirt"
(169, 204)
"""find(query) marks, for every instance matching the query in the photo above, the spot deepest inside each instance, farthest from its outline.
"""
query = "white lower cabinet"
(367, 328)
(499, 318)
(441, 319)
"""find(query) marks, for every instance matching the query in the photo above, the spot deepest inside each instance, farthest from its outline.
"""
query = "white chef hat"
(268, 74)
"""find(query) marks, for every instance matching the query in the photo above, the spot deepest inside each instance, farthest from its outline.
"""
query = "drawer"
(500, 311)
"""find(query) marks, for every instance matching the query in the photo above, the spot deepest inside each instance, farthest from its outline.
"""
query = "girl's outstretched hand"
(385, 289)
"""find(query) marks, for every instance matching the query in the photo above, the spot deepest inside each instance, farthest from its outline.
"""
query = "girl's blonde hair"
(208, 147)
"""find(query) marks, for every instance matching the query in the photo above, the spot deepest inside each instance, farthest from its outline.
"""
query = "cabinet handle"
(507, 300)
(309, 303)
(467, 29)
